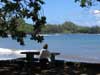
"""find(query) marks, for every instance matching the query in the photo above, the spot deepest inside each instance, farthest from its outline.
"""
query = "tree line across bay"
(66, 27)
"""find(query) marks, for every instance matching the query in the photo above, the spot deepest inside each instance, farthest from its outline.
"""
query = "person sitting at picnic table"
(44, 56)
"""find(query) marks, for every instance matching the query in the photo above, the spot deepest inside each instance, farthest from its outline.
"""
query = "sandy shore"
(58, 67)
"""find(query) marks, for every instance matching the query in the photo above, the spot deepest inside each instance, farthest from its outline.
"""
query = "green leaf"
(83, 3)
(76, 0)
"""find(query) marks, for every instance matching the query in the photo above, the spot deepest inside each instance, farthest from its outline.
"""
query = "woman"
(44, 56)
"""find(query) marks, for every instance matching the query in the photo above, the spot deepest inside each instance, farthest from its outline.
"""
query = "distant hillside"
(66, 27)
(69, 27)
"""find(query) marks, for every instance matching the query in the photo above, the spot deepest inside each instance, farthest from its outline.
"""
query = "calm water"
(73, 47)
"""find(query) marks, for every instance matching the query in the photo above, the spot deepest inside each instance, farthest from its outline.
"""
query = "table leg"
(52, 57)
(29, 57)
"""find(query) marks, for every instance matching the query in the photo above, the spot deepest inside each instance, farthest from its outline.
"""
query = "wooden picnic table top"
(37, 52)
(55, 53)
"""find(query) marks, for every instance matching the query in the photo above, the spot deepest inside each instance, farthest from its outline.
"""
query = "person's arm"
(49, 56)
(40, 53)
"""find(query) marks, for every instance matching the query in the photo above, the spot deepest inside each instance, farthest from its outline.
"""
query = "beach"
(59, 67)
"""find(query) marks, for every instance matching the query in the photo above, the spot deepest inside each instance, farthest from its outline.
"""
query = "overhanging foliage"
(12, 10)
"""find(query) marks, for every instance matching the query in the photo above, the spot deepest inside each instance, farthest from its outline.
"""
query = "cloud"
(96, 11)
(96, 16)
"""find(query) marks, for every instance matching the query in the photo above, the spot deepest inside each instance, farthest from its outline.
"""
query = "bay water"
(73, 47)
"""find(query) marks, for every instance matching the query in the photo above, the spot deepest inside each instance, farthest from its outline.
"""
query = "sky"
(59, 11)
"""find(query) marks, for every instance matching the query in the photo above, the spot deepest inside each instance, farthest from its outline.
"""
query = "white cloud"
(96, 14)
(96, 11)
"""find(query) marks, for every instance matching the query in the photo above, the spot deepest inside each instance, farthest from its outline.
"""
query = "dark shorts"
(43, 63)
(44, 60)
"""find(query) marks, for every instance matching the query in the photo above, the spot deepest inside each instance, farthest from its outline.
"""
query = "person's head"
(45, 46)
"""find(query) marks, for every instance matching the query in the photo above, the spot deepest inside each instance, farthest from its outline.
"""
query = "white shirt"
(45, 54)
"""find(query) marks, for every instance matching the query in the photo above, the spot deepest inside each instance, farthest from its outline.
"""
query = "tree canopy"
(70, 27)
(12, 10)
(84, 3)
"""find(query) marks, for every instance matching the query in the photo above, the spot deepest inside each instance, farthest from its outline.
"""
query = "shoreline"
(60, 67)
(80, 59)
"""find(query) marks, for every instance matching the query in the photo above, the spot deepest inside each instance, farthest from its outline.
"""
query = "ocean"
(73, 47)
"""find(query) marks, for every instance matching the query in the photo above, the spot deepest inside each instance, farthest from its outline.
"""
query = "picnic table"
(31, 59)
(30, 55)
